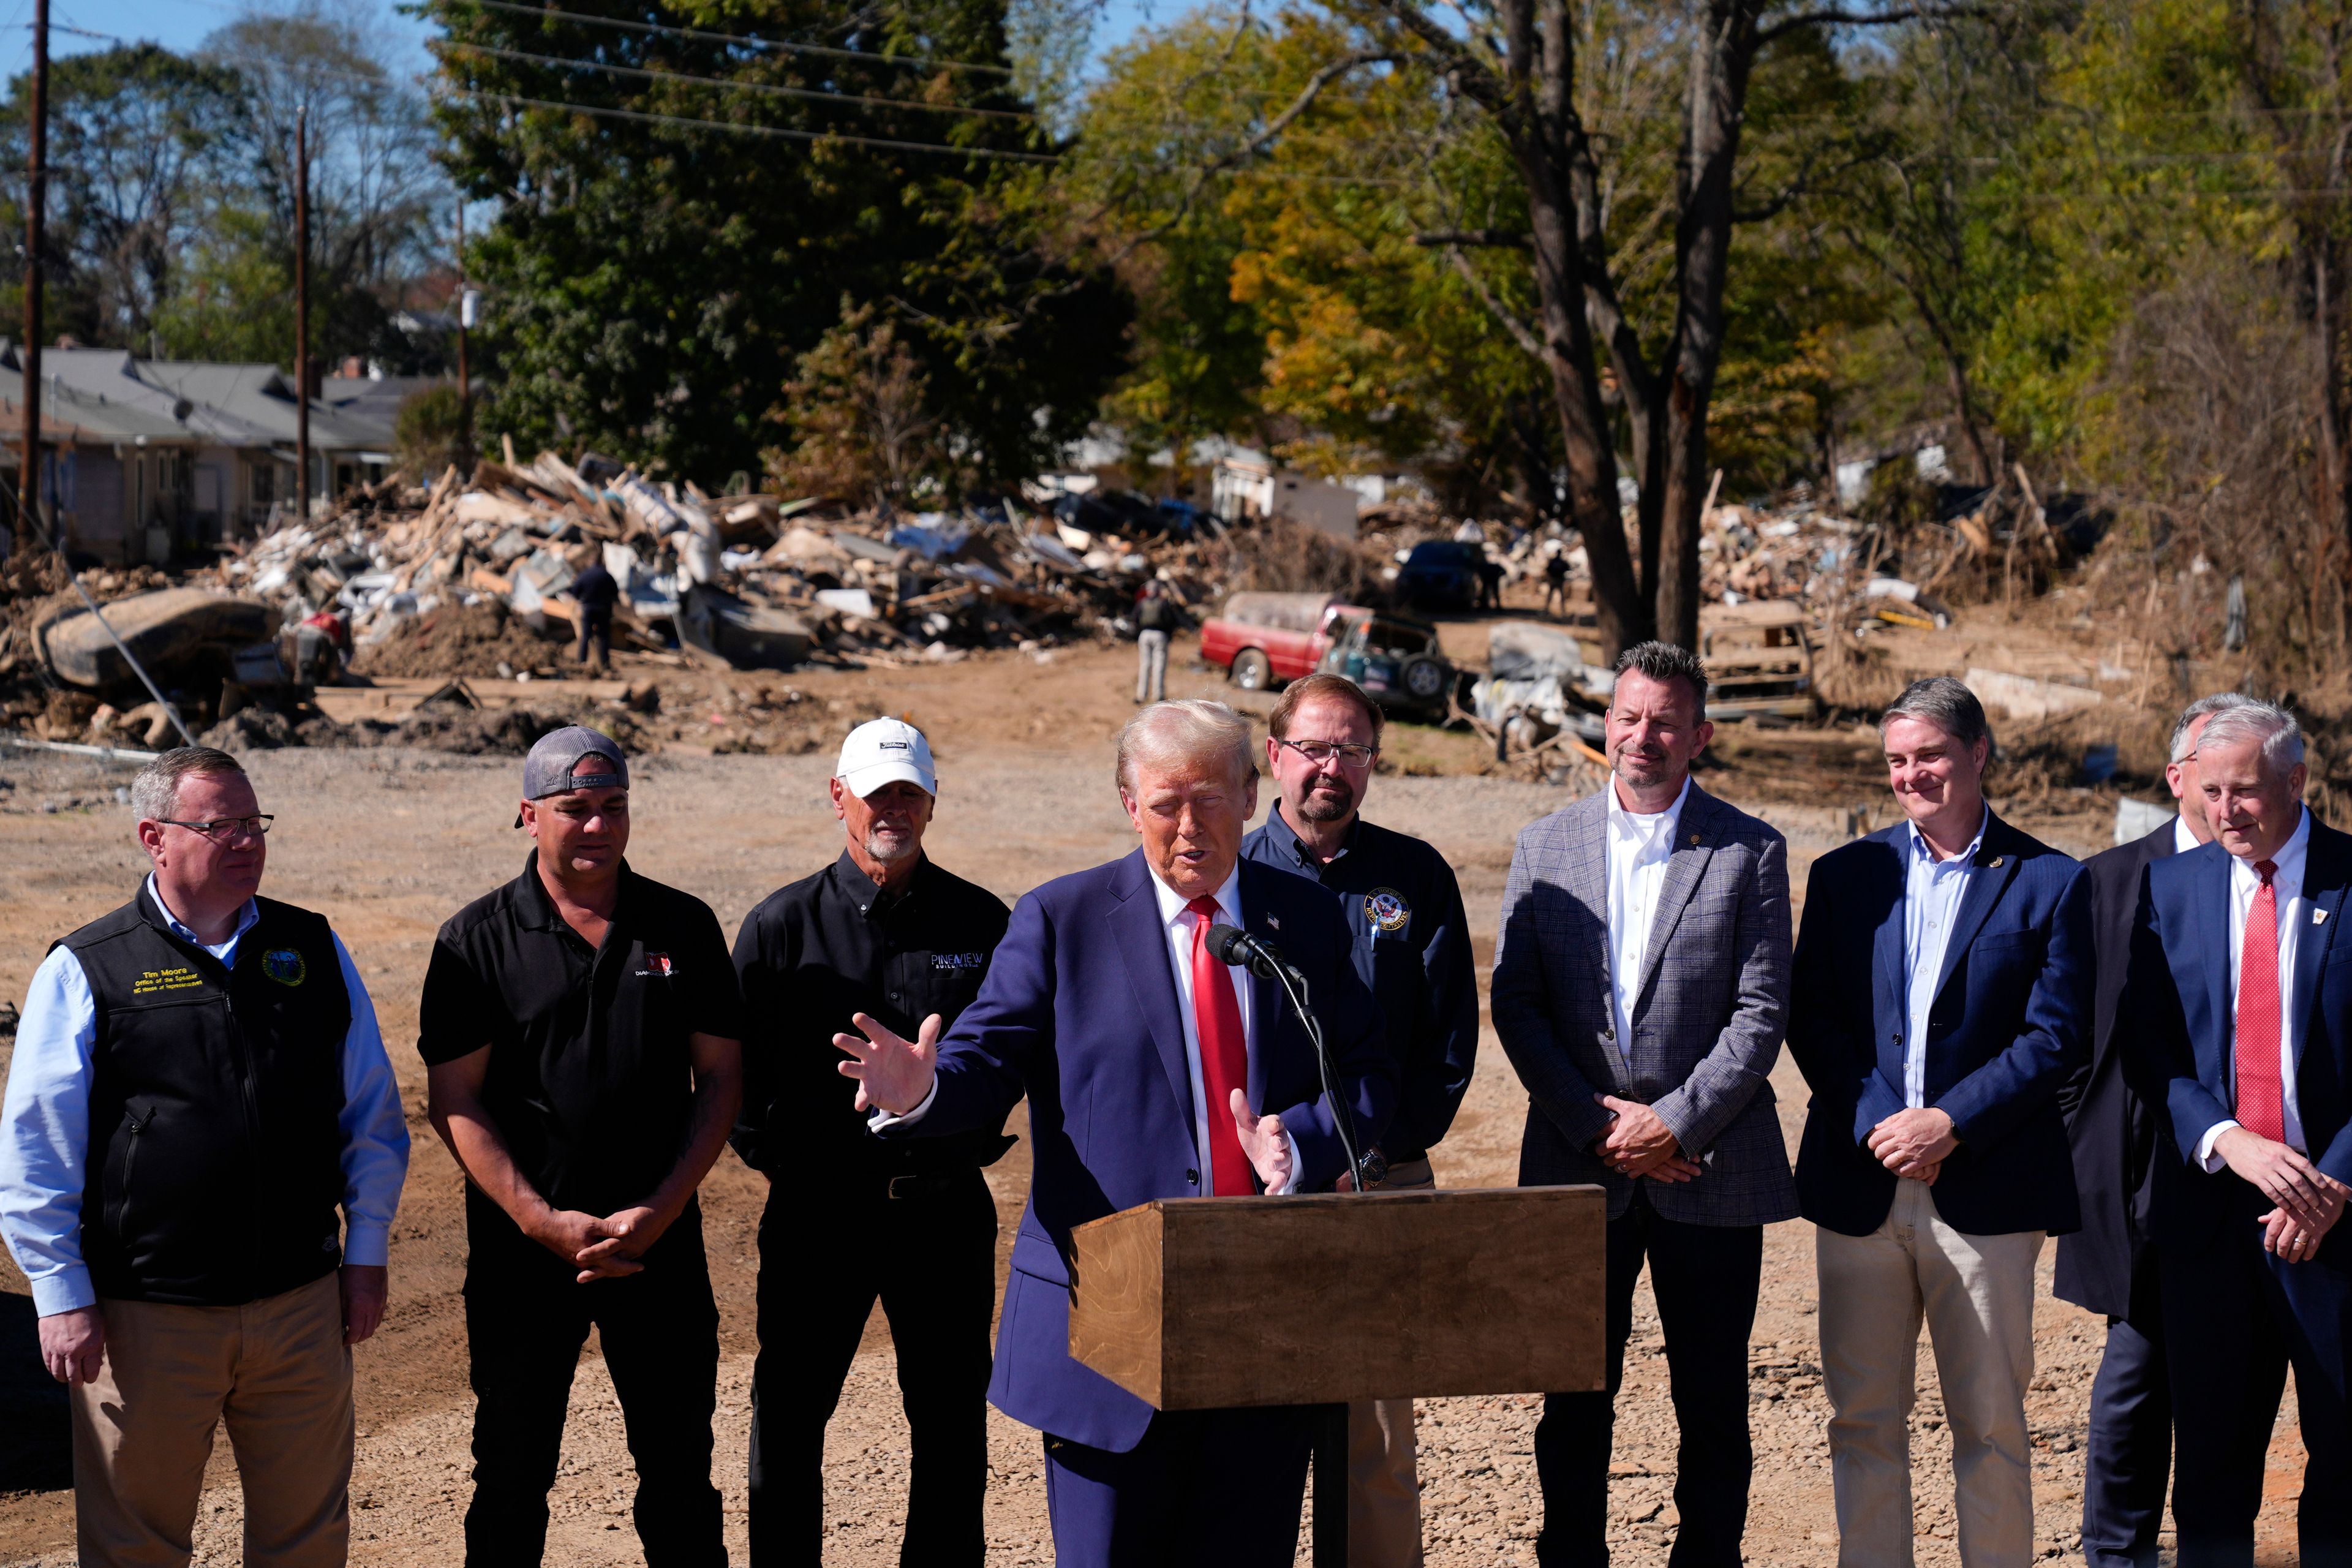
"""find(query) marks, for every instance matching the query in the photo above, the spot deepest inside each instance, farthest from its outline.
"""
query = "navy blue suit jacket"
(1079, 1013)
(2180, 988)
(2010, 1023)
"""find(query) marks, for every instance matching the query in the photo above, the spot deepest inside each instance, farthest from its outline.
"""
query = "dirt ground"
(390, 842)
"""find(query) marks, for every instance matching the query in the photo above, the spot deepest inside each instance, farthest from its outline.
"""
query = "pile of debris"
(743, 581)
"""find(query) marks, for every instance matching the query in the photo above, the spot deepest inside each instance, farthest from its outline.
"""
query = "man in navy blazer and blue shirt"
(1935, 1158)
(2243, 998)
(1153, 1070)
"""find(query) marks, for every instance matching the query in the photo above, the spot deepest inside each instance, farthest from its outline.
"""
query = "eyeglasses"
(221, 827)
(1351, 753)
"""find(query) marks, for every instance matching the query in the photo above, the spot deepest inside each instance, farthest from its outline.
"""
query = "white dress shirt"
(1932, 892)
(1639, 845)
(1177, 923)
(2294, 914)
(2183, 841)
(45, 1122)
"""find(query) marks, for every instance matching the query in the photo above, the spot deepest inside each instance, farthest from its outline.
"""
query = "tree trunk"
(1542, 133)
(1722, 55)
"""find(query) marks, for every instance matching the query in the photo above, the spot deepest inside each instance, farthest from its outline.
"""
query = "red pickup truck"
(1264, 639)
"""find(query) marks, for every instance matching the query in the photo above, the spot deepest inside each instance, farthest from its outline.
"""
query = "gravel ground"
(389, 843)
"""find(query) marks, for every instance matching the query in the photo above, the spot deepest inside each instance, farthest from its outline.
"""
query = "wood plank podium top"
(1203, 1303)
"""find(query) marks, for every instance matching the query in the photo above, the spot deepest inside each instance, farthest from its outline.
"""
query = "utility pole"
(36, 182)
(301, 307)
(464, 386)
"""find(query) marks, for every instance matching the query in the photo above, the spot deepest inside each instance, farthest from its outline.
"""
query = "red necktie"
(2261, 1100)
(1225, 1056)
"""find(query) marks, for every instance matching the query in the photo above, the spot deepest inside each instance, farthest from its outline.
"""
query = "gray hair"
(1944, 702)
(155, 793)
(2266, 723)
(2203, 708)
(1191, 729)
(1663, 661)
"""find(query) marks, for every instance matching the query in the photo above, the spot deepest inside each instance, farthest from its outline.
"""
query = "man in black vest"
(581, 1028)
(198, 1087)
(2108, 1265)
(885, 933)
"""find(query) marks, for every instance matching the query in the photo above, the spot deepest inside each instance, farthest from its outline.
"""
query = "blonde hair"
(1192, 730)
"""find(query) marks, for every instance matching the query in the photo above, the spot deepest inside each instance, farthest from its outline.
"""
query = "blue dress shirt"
(1932, 891)
(45, 1124)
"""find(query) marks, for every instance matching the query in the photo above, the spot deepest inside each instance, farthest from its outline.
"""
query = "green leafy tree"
(682, 208)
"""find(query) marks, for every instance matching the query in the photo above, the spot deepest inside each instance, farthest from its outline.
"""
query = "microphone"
(1233, 945)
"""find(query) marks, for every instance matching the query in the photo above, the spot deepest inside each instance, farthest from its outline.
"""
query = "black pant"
(930, 1255)
(525, 1322)
(596, 626)
(2235, 1319)
(1705, 1278)
(2130, 1452)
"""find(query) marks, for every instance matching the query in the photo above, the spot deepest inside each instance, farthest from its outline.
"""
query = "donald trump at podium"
(1153, 1070)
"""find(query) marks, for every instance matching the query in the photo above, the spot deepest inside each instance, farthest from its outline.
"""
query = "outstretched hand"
(1264, 1142)
(893, 1073)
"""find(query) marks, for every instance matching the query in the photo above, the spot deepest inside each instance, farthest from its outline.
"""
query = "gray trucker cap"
(553, 765)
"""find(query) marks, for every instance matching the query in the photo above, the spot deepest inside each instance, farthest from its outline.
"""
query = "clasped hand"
(603, 1247)
(1638, 1143)
(2309, 1201)
(1915, 1143)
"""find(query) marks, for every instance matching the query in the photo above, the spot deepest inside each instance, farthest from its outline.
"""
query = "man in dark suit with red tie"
(2110, 1266)
(1152, 1069)
(2243, 994)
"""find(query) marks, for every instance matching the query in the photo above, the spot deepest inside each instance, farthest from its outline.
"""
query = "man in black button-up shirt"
(1412, 948)
(581, 1028)
(884, 933)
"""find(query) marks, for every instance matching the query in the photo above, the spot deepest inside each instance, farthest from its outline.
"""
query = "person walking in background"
(2239, 997)
(1641, 987)
(198, 1087)
(1555, 579)
(851, 1218)
(579, 1028)
(1152, 1069)
(594, 594)
(1942, 994)
(1400, 899)
(2108, 1267)
(1156, 617)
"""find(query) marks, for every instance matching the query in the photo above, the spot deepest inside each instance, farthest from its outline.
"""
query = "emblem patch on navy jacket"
(1388, 912)
(657, 965)
(285, 965)
(959, 961)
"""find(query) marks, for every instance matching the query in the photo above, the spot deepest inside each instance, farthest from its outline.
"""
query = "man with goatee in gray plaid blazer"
(1640, 986)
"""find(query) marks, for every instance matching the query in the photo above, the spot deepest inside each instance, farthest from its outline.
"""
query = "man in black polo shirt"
(1412, 948)
(582, 1025)
(883, 932)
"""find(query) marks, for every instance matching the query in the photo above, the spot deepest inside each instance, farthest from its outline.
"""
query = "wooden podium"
(1326, 1298)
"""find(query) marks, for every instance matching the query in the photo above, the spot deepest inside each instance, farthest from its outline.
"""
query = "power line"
(771, 87)
(779, 132)
(736, 40)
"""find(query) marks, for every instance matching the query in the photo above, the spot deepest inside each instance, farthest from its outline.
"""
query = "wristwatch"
(1376, 1168)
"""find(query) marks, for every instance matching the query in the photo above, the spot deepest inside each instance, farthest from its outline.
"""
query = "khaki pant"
(1151, 667)
(1976, 1295)
(1383, 1486)
(276, 1372)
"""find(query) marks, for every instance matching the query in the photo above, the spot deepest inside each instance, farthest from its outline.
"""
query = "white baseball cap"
(885, 751)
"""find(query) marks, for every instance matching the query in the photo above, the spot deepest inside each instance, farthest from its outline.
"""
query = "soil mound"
(460, 639)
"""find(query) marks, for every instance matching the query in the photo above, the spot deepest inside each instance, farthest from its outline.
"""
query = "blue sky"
(183, 24)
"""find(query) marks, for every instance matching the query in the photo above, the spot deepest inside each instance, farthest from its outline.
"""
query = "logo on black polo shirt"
(658, 965)
(1388, 912)
(959, 961)
(285, 965)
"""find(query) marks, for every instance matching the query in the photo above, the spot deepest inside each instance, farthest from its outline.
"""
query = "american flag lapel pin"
(1273, 924)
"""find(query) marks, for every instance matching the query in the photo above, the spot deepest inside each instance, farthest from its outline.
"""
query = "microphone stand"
(1328, 1526)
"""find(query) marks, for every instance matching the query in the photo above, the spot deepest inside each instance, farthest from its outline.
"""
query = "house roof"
(187, 401)
(72, 416)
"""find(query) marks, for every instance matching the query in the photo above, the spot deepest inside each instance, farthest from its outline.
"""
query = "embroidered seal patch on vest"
(285, 965)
